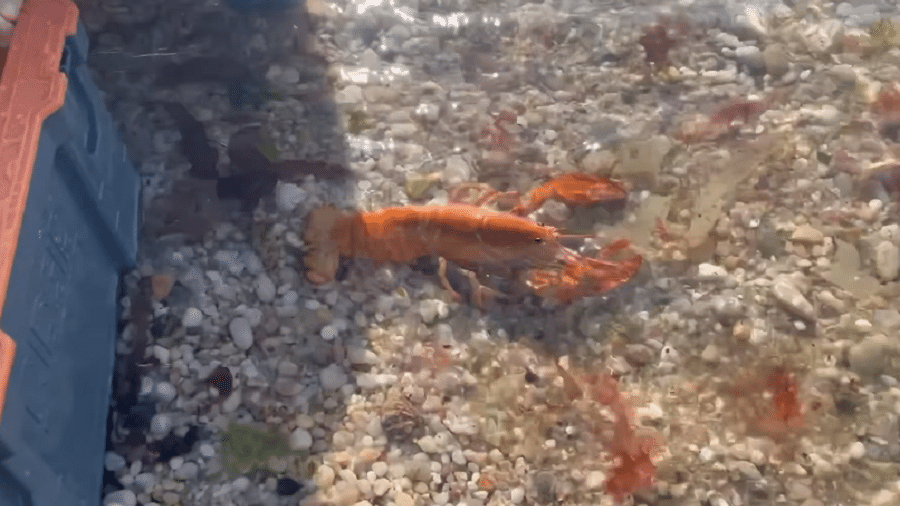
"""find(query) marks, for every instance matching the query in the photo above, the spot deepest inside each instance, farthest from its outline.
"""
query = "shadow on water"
(192, 90)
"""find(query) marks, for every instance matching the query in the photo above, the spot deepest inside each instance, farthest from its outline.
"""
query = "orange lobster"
(571, 189)
(466, 235)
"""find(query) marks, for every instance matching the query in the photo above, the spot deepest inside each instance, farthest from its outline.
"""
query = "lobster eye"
(538, 240)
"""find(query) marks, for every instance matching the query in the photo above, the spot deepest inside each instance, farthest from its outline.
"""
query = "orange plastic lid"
(31, 88)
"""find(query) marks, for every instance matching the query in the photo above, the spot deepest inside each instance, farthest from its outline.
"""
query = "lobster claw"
(583, 276)
(574, 189)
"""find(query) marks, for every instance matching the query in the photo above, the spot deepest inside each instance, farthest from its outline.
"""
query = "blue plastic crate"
(72, 221)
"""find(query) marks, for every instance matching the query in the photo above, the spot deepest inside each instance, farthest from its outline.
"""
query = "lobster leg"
(442, 276)
(480, 293)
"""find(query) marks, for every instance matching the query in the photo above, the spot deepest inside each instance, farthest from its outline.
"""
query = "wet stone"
(287, 486)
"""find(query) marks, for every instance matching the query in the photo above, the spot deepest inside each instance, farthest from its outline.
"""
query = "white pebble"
(207, 450)
(188, 471)
(161, 424)
(328, 332)
(265, 289)
(192, 317)
(856, 451)
(379, 468)
(300, 439)
(710, 271)
(792, 299)
(332, 377)
(240, 483)
(254, 316)
(517, 495)
(241, 333)
(669, 354)
(146, 385)
(165, 391)
(288, 196)
(145, 480)
(381, 486)
(113, 461)
(428, 444)
(162, 353)
(176, 462)
(432, 309)
(120, 498)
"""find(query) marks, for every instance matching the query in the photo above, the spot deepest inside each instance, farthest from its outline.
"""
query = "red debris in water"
(657, 44)
(634, 470)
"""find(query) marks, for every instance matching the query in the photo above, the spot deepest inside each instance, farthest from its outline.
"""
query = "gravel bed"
(771, 249)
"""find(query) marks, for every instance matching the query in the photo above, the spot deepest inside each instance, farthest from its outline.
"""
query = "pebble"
(206, 450)
(517, 495)
(241, 334)
(669, 355)
(403, 499)
(776, 59)
(432, 309)
(856, 450)
(332, 377)
(594, 480)
(792, 299)
(868, 357)
(710, 354)
(287, 486)
(752, 57)
(288, 387)
(429, 444)
(113, 461)
(807, 234)
(748, 469)
(300, 439)
(887, 260)
(428, 112)
(380, 487)
(379, 468)
(145, 480)
(160, 424)
(192, 317)
(120, 498)
(727, 40)
(457, 170)
(165, 391)
(288, 196)
(351, 94)
(265, 289)
(345, 493)
(798, 491)
(240, 483)
(328, 332)
(825, 114)
(728, 306)
(711, 272)
(187, 471)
